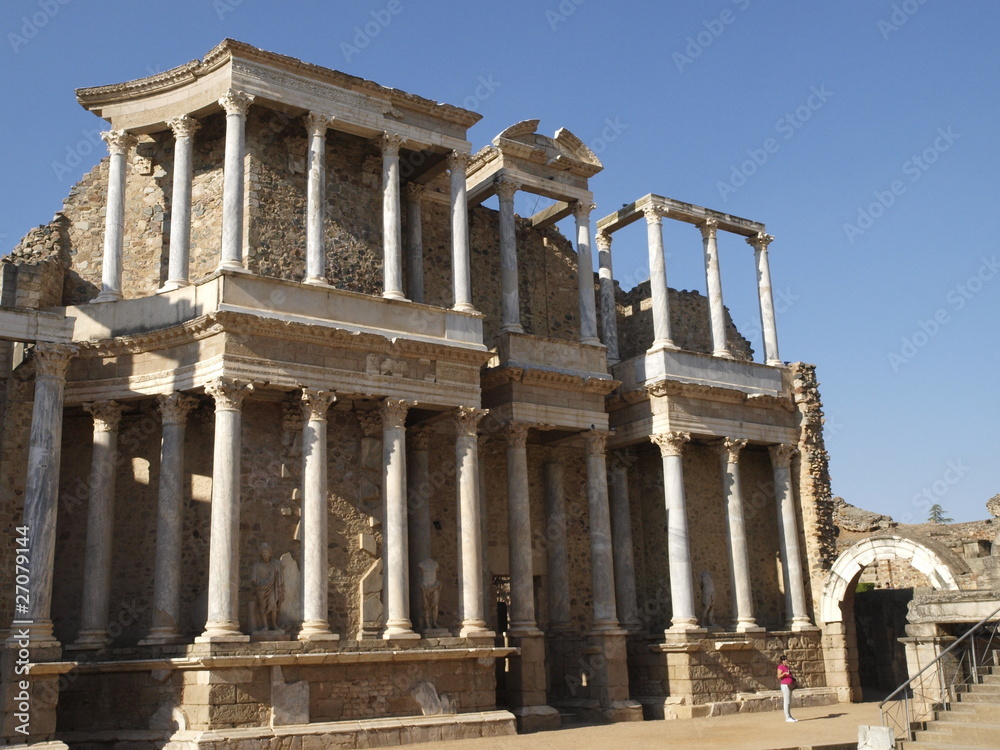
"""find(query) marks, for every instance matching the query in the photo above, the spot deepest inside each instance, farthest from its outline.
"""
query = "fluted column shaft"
(224, 544)
(100, 525)
(397, 569)
(510, 296)
(414, 242)
(739, 558)
(522, 582)
(658, 289)
(788, 535)
(236, 104)
(315, 591)
(178, 266)
(609, 308)
(585, 274)
(461, 261)
(602, 560)
(713, 283)
(419, 509)
(558, 558)
(470, 541)
(317, 124)
(621, 531)
(174, 410)
(41, 490)
(765, 298)
(119, 142)
(671, 446)
(392, 230)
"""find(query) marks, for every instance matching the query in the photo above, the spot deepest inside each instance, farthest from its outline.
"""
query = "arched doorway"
(871, 623)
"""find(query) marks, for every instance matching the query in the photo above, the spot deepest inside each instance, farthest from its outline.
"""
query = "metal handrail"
(974, 668)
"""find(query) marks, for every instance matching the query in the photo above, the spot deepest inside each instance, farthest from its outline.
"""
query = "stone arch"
(940, 565)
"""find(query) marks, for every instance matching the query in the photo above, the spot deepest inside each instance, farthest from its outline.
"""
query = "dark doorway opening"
(880, 621)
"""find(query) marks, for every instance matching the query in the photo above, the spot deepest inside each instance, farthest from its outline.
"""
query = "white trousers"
(786, 693)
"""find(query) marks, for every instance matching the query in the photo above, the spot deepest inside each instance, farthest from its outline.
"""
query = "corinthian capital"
(174, 407)
(729, 449)
(506, 188)
(458, 160)
(419, 438)
(414, 191)
(107, 415)
(603, 240)
(760, 241)
(782, 454)
(317, 123)
(119, 141)
(236, 102)
(184, 126)
(596, 442)
(709, 228)
(582, 209)
(391, 142)
(652, 215)
(370, 421)
(516, 434)
(51, 360)
(393, 411)
(670, 443)
(467, 420)
(228, 394)
(316, 402)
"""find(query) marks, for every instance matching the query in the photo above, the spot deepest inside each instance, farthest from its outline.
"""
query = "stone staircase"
(970, 723)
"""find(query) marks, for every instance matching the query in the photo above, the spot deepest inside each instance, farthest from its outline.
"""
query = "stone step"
(966, 712)
(935, 746)
(971, 735)
(979, 696)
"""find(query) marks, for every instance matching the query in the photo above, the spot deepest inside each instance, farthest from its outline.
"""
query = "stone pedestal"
(28, 717)
(527, 686)
(607, 661)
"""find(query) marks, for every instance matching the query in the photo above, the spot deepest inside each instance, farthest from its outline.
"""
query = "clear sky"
(863, 133)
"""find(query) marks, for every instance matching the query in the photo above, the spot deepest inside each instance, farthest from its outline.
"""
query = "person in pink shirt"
(787, 680)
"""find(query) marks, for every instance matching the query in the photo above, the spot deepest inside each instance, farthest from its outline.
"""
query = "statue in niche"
(268, 582)
(707, 600)
(430, 586)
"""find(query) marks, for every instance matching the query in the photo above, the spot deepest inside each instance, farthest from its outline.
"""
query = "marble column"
(609, 308)
(713, 283)
(601, 552)
(484, 527)
(236, 104)
(558, 558)
(788, 537)
(397, 576)
(315, 518)
(739, 558)
(585, 273)
(100, 525)
(461, 261)
(470, 541)
(392, 231)
(119, 142)
(41, 490)
(414, 242)
(174, 410)
(511, 306)
(317, 124)
(658, 282)
(621, 540)
(671, 445)
(522, 576)
(768, 327)
(224, 543)
(419, 509)
(178, 268)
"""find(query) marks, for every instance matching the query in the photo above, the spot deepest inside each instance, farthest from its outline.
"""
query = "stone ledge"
(660, 707)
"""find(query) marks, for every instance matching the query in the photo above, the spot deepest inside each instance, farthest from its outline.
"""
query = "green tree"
(936, 515)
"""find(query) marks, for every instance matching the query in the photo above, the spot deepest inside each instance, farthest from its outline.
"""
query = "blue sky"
(863, 134)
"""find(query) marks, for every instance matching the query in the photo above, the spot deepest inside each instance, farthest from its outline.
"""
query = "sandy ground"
(820, 725)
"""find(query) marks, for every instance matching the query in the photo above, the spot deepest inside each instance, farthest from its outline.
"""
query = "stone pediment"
(562, 151)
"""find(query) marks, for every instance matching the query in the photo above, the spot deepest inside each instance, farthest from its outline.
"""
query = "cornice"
(496, 376)
(702, 392)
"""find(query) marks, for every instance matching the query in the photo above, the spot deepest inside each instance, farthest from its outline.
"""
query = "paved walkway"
(818, 726)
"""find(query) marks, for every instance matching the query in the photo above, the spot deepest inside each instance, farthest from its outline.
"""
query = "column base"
(400, 635)
(464, 307)
(723, 354)
(511, 328)
(602, 629)
(169, 286)
(162, 637)
(475, 629)
(800, 624)
(664, 345)
(232, 265)
(316, 281)
(395, 295)
(317, 630)
(525, 631)
(591, 341)
(684, 627)
(748, 626)
(536, 718)
(775, 363)
(33, 634)
(222, 632)
(106, 297)
(90, 640)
